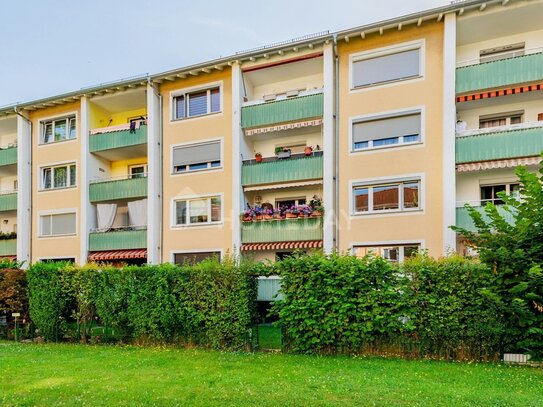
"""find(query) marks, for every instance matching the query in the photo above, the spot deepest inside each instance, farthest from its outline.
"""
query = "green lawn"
(73, 375)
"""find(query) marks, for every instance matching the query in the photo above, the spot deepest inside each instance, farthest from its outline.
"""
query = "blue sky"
(56, 46)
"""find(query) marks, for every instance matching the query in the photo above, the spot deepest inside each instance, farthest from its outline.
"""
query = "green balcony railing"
(282, 170)
(118, 189)
(8, 202)
(8, 247)
(282, 111)
(495, 74)
(463, 219)
(499, 145)
(286, 230)
(117, 139)
(118, 240)
(269, 289)
(8, 156)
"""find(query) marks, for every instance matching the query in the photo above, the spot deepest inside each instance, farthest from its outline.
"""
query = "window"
(197, 103)
(502, 119)
(198, 211)
(59, 130)
(54, 260)
(489, 193)
(289, 202)
(399, 196)
(62, 176)
(193, 258)
(372, 69)
(57, 224)
(138, 171)
(387, 132)
(503, 52)
(202, 156)
(393, 253)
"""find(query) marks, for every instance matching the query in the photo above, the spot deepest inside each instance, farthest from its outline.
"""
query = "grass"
(63, 374)
(269, 337)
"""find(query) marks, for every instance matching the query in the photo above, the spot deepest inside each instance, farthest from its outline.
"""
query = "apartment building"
(368, 139)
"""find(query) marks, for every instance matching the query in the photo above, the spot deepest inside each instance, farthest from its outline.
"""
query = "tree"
(514, 251)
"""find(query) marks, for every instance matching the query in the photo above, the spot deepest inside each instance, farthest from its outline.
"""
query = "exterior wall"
(100, 117)
(69, 198)
(266, 146)
(219, 181)
(425, 159)
(294, 193)
(470, 52)
(11, 225)
(121, 168)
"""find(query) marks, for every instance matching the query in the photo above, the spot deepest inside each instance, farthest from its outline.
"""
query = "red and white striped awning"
(286, 126)
(308, 244)
(118, 255)
(12, 258)
(497, 164)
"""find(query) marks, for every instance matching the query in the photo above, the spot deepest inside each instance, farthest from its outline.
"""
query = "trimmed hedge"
(210, 304)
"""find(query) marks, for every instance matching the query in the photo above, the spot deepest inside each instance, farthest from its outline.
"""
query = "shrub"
(13, 291)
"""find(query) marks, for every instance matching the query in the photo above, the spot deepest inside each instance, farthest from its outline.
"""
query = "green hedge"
(209, 304)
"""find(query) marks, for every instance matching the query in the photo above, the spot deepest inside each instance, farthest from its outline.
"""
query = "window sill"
(195, 117)
(57, 189)
(387, 212)
(385, 84)
(198, 225)
(57, 236)
(392, 146)
(198, 171)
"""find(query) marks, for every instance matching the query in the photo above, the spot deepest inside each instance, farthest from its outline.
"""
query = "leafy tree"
(514, 251)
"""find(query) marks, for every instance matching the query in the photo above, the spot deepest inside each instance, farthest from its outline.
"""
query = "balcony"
(116, 137)
(8, 247)
(463, 219)
(286, 230)
(496, 74)
(525, 140)
(118, 240)
(282, 170)
(8, 201)
(282, 111)
(115, 189)
(8, 156)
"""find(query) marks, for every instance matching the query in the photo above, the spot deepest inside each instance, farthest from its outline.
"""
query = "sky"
(57, 46)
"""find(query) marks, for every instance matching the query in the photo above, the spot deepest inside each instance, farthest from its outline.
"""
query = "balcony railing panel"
(282, 170)
(115, 189)
(8, 247)
(499, 145)
(286, 230)
(463, 219)
(8, 156)
(118, 240)
(117, 139)
(282, 111)
(8, 202)
(496, 74)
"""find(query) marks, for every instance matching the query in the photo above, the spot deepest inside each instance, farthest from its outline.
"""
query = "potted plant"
(316, 206)
(258, 157)
(304, 211)
(282, 152)
(267, 214)
(257, 213)
(247, 216)
(277, 214)
(292, 212)
(308, 150)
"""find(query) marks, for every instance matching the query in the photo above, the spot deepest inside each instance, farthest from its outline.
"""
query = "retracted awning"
(496, 164)
(308, 244)
(118, 255)
(283, 185)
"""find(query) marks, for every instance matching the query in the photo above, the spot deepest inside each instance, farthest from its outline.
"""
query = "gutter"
(336, 147)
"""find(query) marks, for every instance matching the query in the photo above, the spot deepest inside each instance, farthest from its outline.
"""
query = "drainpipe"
(336, 148)
(161, 186)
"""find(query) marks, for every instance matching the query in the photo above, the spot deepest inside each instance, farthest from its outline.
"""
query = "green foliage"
(13, 291)
(515, 254)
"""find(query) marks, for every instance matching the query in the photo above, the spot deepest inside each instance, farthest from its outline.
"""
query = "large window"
(389, 66)
(503, 52)
(58, 130)
(197, 103)
(398, 196)
(386, 131)
(502, 119)
(57, 224)
(195, 257)
(198, 211)
(61, 176)
(194, 157)
(393, 252)
(489, 193)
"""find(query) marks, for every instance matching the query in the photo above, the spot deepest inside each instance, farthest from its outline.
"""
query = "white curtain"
(105, 215)
(137, 213)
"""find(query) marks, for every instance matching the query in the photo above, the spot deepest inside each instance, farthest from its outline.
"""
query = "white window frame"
(389, 243)
(41, 214)
(173, 211)
(384, 51)
(385, 115)
(183, 92)
(130, 167)
(66, 116)
(52, 167)
(174, 252)
(220, 140)
(376, 182)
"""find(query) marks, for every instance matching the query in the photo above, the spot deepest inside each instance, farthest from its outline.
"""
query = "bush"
(13, 291)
